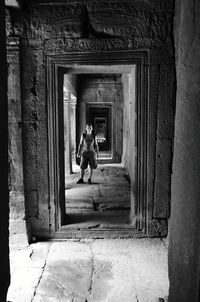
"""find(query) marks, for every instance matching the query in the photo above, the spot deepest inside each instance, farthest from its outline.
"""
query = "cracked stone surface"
(27, 264)
(110, 190)
(132, 270)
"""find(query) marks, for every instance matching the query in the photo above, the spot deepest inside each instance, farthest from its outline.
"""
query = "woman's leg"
(91, 171)
(82, 172)
(92, 163)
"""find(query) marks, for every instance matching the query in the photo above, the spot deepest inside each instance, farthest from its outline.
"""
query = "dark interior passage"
(100, 118)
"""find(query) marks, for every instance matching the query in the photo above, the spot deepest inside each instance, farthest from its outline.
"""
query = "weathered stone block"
(157, 228)
(162, 192)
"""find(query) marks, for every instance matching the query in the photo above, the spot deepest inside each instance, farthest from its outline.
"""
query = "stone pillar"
(16, 186)
(67, 137)
(73, 102)
(4, 204)
(70, 132)
(184, 231)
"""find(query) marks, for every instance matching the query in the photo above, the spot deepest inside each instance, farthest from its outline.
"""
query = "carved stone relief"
(137, 22)
(55, 22)
(154, 4)
(135, 19)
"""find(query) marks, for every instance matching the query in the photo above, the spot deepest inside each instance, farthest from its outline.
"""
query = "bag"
(78, 161)
(96, 164)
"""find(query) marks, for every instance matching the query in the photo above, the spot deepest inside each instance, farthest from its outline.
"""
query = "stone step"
(79, 203)
(116, 191)
(93, 213)
(112, 199)
(113, 206)
(97, 203)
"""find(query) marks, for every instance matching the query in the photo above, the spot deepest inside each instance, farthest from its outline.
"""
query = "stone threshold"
(111, 232)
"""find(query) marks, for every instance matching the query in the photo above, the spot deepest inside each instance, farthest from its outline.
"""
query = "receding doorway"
(110, 96)
(100, 116)
(101, 100)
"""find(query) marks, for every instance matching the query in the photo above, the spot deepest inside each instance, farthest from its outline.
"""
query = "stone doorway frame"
(55, 70)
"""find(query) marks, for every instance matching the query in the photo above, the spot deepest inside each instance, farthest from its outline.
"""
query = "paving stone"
(111, 203)
(113, 207)
(115, 181)
(113, 279)
(82, 190)
(74, 211)
(26, 264)
(91, 270)
(114, 191)
(67, 274)
(75, 271)
(110, 191)
(148, 262)
(24, 282)
(150, 265)
(33, 256)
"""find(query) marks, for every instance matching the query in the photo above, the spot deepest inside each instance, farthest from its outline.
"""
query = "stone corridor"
(133, 270)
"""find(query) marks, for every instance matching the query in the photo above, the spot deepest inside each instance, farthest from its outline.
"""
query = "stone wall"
(70, 104)
(16, 183)
(4, 194)
(129, 118)
(53, 31)
(129, 133)
(184, 232)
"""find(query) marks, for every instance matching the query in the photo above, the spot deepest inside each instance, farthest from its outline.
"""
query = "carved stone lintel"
(95, 45)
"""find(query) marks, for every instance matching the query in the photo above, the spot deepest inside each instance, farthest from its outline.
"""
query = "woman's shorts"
(88, 158)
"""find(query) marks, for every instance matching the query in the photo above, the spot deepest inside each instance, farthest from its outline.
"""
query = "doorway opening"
(112, 97)
(107, 100)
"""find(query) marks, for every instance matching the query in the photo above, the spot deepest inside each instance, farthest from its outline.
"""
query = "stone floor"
(132, 270)
(106, 199)
(91, 270)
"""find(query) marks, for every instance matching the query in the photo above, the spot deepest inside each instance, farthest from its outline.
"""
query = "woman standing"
(88, 151)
